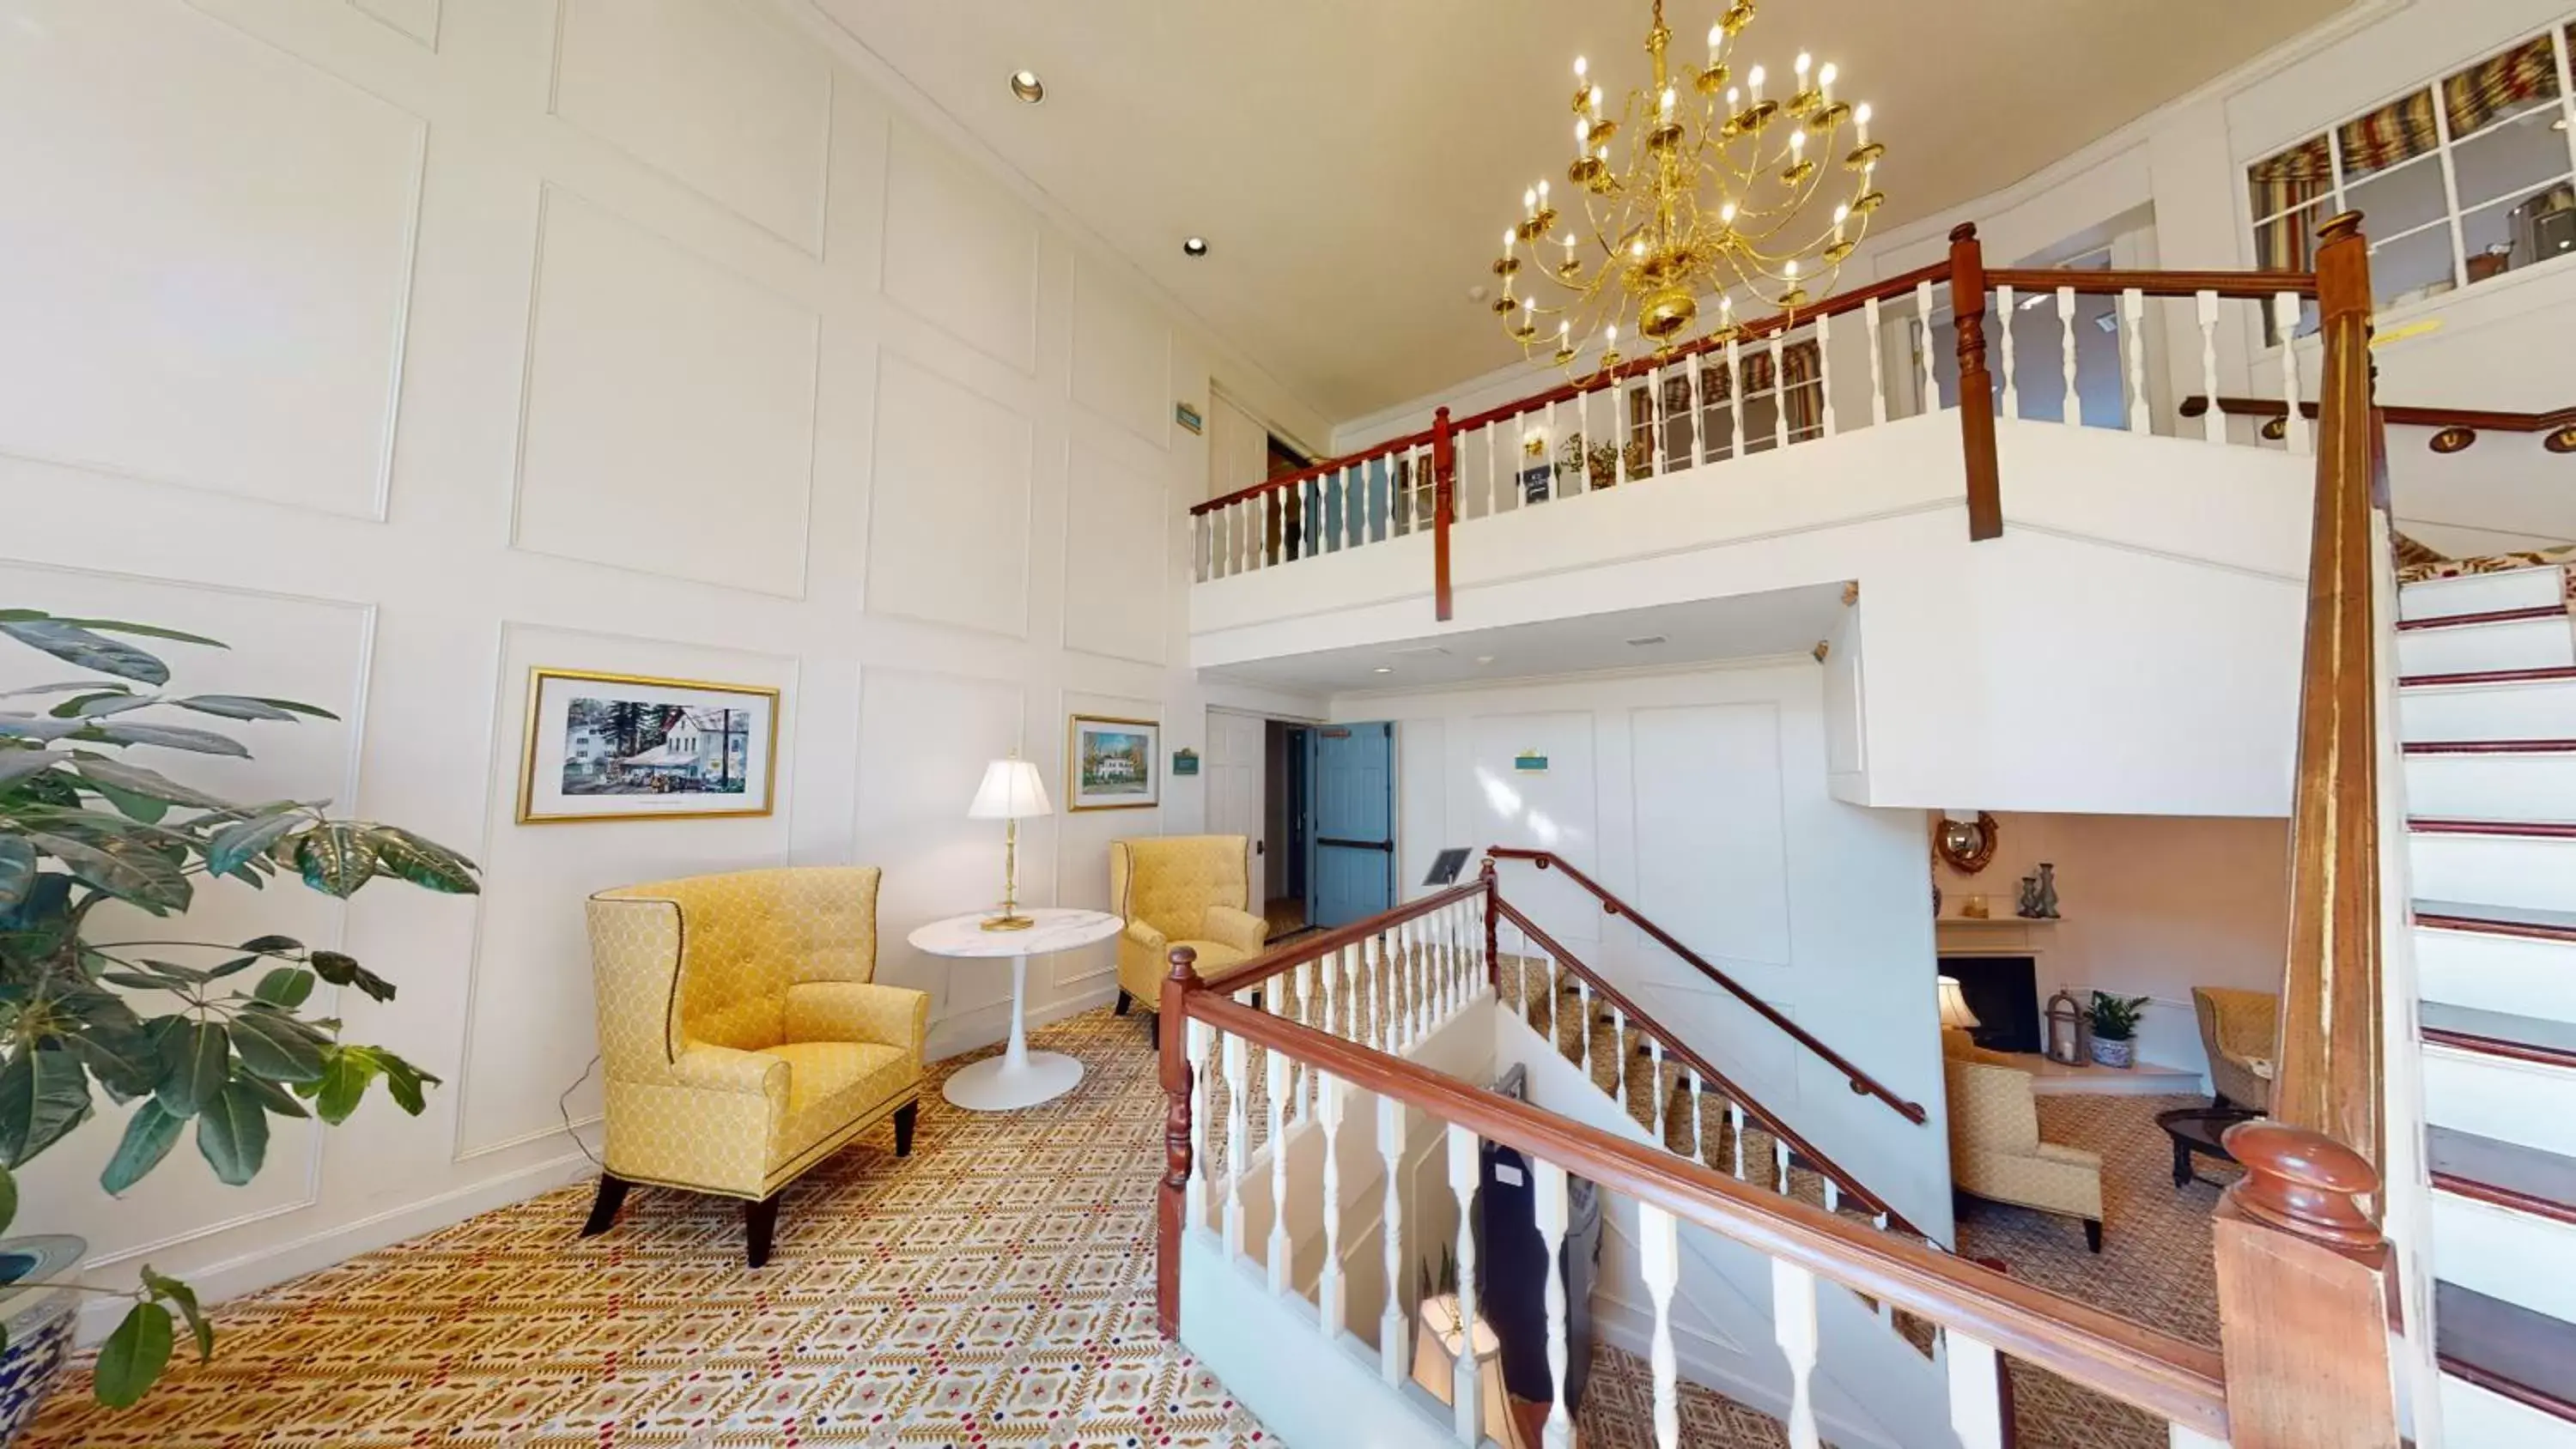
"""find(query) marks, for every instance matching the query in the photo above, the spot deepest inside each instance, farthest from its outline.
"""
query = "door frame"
(1255, 852)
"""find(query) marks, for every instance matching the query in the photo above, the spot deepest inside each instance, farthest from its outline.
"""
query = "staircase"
(2487, 712)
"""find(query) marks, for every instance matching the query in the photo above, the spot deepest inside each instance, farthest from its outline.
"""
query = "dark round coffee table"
(2199, 1129)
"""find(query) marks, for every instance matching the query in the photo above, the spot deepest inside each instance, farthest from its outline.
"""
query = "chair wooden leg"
(904, 1117)
(760, 1224)
(1124, 1001)
(603, 1208)
(2093, 1234)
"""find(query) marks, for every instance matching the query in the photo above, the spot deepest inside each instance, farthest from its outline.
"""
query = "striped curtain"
(2506, 83)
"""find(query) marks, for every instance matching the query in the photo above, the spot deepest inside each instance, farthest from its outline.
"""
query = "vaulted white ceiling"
(1351, 161)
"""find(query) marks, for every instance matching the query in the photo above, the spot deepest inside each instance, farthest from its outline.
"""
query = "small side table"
(1018, 1077)
(2199, 1130)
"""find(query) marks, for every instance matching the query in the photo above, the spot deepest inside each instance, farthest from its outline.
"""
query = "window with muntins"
(2464, 179)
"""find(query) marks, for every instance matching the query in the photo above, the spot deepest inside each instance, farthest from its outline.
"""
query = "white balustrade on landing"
(1551, 1205)
(1465, 1169)
(1329, 1307)
(1238, 1143)
(1390, 1323)
(1659, 1262)
(1201, 1040)
(1277, 1257)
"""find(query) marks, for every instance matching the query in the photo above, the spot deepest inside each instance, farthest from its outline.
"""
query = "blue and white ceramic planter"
(37, 1312)
(2121, 1053)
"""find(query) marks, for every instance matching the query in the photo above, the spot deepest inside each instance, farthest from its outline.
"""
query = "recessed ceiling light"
(1383, 669)
(1194, 246)
(1026, 85)
(1644, 640)
(1484, 658)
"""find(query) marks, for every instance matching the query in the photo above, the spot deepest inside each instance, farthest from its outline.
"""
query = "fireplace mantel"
(1991, 935)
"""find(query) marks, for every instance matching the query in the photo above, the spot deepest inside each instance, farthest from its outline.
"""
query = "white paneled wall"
(409, 344)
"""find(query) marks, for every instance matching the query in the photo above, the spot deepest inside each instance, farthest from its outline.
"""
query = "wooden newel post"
(1444, 490)
(1976, 385)
(2303, 1295)
(1493, 948)
(1170, 1217)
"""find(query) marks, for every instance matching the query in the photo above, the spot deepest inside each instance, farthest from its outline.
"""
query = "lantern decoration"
(2070, 1030)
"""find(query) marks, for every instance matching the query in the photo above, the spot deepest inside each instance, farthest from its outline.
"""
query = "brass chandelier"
(1718, 191)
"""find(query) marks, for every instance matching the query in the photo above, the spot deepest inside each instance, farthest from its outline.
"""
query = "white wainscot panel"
(923, 742)
(948, 537)
(719, 96)
(532, 1030)
(415, 18)
(303, 649)
(1712, 855)
(1422, 800)
(1122, 356)
(1551, 809)
(1117, 542)
(669, 421)
(958, 253)
(209, 255)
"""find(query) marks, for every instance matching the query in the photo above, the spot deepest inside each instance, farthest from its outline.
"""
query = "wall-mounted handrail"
(2164, 1375)
(1680, 1051)
(2456, 428)
(1860, 1080)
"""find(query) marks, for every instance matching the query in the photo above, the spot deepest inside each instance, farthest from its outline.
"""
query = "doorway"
(1258, 770)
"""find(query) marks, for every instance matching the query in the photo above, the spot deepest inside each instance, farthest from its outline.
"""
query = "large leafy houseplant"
(188, 1031)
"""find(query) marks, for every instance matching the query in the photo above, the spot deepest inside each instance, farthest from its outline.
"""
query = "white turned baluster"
(1735, 1121)
(1780, 1160)
(1622, 427)
(1825, 368)
(1467, 1396)
(1370, 999)
(1793, 1327)
(1329, 1309)
(1548, 1192)
(1976, 1397)
(1699, 1138)
(2133, 313)
(1833, 1196)
(1931, 379)
(2213, 424)
(1201, 1037)
(1391, 1346)
(1698, 412)
(1332, 972)
(1779, 396)
(1305, 1093)
(2012, 385)
(1408, 1009)
(1555, 996)
(2066, 346)
(1655, 421)
(1877, 364)
(1619, 1054)
(2285, 317)
(1734, 402)
(1238, 1144)
(1494, 459)
(1583, 1023)
(1278, 1170)
(1659, 1261)
(1659, 1108)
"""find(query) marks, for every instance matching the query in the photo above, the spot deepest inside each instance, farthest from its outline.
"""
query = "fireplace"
(2003, 992)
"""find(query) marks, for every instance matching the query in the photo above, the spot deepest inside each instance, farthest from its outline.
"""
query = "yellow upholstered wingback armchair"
(1181, 890)
(2236, 1030)
(1996, 1151)
(744, 1038)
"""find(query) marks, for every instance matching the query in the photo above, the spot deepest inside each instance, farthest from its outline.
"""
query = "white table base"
(1018, 1077)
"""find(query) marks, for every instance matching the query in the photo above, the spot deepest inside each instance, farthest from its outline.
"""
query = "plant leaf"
(149, 1135)
(336, 858)
(344, 1081)
(18, 763)
(29, 727)
(232, 1132)
(44, 1093)
(271, 945)
(140, 877)
(276, 1099)
(134, 1355)
(235, 844)
(113, 1044)
(60, 686)
(404, 1081)
(150, 631)
(286, 987)
(150, 784)
(425, 863)
(233, 706)
(173, 737)
(17, 870)
(184, 1297)
(8, 1204)
(102, 703)
(272, 1049)
(196, 1060)
(67, 640)
(342, 970)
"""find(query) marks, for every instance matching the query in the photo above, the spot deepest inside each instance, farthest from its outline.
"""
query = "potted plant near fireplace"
(2115, 1028)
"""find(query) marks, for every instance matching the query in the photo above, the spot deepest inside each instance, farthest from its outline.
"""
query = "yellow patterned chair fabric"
(2236, 1029)
(744, 1037)
(1996, 1151)
(1181, 890)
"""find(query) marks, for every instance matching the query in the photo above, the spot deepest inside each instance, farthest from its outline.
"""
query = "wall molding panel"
(948, 523)
(960, 253)
(417, 19)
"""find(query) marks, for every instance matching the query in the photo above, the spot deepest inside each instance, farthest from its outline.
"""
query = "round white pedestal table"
(1018, 1077)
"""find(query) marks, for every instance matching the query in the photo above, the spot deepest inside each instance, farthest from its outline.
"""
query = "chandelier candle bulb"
(1716, 38)
(1860, 123)
(1754, 80)
(1825, 81)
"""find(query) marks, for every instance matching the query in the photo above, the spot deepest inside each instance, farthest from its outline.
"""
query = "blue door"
(1352, 778)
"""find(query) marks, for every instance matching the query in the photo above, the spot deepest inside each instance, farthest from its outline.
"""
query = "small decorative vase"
(2123, 1053)
(2028, 907)
(2047, 892)
(37, 1313)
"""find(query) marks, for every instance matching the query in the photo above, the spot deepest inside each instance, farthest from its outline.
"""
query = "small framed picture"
(1109, 764)
(631, 747)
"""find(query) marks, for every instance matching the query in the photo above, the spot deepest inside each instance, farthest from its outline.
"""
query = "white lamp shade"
(1954, 1007)
(1011, 791)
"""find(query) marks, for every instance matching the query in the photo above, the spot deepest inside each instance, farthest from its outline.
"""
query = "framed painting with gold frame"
(1110, 764)
(634, 747)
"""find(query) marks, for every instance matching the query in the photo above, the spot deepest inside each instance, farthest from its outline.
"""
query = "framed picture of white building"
(628, 747)
(1111, 764)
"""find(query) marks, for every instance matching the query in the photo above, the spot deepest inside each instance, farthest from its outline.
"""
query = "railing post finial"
(2304, 1183)
(2339, 226)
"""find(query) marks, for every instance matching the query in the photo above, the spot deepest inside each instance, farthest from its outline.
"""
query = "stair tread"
(2491, 616)
(2506, 1348)
(2490, 747)
(2507, 1174)
(2536, 829)
(2499, 1033)
(2496, 920)
(2491, 676)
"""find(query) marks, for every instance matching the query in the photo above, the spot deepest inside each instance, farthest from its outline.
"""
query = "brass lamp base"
(1008, 923)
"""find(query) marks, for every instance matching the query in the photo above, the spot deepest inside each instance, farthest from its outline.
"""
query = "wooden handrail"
(1314, 948)
(2465, 423)
(1676, 1048)
(2246, 285)
(2328, 1079)
(1861, 1081)
(1976, 385)
(2164, 1375)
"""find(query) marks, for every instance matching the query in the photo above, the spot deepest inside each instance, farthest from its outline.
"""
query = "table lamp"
(1010, 793)
(1954, 1007)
